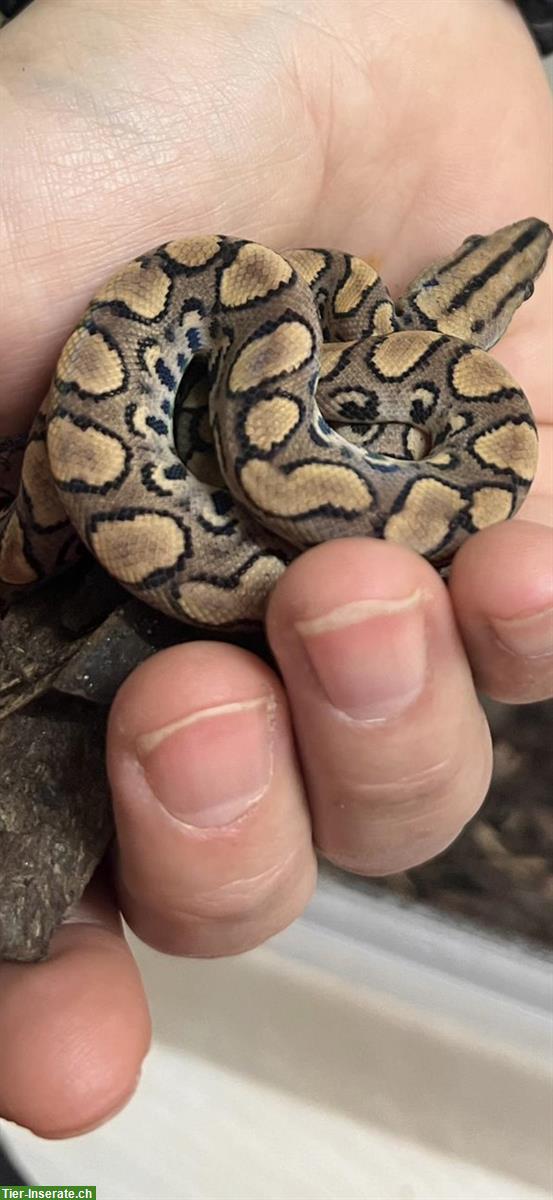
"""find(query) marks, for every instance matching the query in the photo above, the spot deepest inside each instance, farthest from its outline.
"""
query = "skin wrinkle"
(320, 105)
(530, 658)
(127, 184)
(526, 664)
(380, 115)
(235, 899)
(424, 832)
(83, 919)
(317, 121)
(442, 780)
(110, 112)
(330, 167)
(331, 34)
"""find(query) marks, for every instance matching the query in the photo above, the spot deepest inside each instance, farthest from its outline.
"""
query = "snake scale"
(221, 407)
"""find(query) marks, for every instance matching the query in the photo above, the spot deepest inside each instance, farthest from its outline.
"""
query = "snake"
(222, 407)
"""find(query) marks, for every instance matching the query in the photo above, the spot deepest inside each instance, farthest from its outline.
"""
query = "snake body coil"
(221, 407)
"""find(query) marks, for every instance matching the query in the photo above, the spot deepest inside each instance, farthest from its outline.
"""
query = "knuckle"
(236, 900)
(229, 917)
(432, 779)
(241, 898)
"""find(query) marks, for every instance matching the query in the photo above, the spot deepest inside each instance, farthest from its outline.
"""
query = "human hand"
(387, 130)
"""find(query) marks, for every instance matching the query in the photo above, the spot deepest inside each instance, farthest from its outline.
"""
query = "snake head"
(473, 293)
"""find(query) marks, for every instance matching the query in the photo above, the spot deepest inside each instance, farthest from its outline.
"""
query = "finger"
(73, 1029)
(501, 585)
(393, 742)
(538, 505)
(215, 850)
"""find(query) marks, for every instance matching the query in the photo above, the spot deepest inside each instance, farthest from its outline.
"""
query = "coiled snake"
(221, 407)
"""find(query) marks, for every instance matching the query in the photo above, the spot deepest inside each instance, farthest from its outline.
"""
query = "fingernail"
(208, 768)
(531, 637)
(369, 656)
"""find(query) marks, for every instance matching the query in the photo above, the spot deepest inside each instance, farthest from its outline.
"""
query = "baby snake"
(220, 407)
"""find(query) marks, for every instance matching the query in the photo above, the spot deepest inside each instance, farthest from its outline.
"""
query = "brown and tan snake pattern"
(221, 407)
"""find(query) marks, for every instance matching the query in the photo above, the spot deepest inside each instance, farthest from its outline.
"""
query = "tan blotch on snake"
(221, 407)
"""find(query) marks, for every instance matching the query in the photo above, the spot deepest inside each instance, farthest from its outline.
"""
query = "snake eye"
(528, 290)
(477, 326)
(473, 240)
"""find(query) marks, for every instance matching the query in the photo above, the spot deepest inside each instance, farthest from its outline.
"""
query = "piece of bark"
(104, 659)
(55, 817)
(42, 631)
(128, 636)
